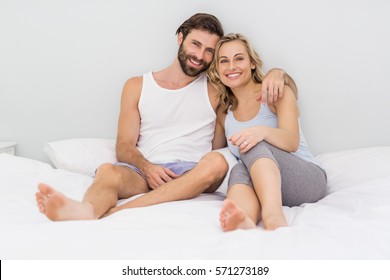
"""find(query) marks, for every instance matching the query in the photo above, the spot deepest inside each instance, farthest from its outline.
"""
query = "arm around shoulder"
(273, 85)
(288, 81)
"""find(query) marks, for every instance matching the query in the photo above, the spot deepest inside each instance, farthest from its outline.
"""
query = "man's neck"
(173, 77)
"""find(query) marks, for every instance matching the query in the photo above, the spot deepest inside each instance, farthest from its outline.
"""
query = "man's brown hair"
(201, 21)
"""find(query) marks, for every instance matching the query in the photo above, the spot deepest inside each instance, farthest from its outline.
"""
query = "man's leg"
(111, 182)
(207, 175)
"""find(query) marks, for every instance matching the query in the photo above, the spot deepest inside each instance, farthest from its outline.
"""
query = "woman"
(275, 166)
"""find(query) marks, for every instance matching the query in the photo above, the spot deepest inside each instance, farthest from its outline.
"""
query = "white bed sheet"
(352, 222)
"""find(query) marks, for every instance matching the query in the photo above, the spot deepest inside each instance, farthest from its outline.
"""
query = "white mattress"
(352, 222)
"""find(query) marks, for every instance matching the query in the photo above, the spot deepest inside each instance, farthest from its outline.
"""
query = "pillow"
(351, 167)
(85, 155)
(81, 155)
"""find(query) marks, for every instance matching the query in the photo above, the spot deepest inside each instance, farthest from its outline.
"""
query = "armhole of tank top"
(266, 106)
(205, 85)
(144, 81)
(227, 119)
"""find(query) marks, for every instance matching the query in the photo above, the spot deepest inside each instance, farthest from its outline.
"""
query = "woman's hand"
(247, 138)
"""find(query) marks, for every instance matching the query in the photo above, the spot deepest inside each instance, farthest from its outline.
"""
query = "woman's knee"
(259, 151)
(239, 175)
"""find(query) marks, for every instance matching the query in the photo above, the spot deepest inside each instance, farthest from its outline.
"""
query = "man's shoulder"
(213, 91)
(133, 85)
(136, 80)
(132, 90)
(213, 95)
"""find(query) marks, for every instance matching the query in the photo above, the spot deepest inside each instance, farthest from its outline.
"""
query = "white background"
(63, 63)
(103, 269)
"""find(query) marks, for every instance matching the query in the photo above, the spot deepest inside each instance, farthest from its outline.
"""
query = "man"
(165, 130)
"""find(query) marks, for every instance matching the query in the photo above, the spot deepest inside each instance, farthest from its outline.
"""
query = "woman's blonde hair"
(226, 96)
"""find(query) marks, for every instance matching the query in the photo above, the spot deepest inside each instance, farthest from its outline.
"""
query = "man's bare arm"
(273, 85)
(288, 81)
(128, 134)
(129, 125)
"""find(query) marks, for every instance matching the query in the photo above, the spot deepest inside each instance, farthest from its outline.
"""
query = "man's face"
(196, 51)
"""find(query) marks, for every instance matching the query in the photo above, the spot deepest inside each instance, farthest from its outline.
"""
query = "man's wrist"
(144, 166)
(285, 76)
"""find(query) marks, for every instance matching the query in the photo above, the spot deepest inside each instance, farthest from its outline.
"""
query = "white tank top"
(176, 125)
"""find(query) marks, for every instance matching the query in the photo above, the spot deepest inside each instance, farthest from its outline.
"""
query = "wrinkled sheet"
(350, 223)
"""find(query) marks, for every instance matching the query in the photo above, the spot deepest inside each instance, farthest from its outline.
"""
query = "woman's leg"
(301, 181)
(267, 183)
(241, 209)
(281, 178)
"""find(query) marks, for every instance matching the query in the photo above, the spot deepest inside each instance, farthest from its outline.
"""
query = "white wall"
(63, 63)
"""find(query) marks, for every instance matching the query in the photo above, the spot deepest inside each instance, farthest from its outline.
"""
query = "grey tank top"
(267, 118)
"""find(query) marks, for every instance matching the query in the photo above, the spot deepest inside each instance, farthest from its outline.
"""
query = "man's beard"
(188, 70)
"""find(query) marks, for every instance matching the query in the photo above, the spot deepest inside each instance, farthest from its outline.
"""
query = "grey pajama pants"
(302, 181)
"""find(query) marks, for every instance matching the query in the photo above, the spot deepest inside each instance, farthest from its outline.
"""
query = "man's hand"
(273, 85)
(156, 175)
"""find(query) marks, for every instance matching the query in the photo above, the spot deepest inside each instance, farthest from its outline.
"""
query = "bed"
(351, 222)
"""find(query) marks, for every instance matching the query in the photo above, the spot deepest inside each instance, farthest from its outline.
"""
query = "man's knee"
(108, 171)
(216, 164)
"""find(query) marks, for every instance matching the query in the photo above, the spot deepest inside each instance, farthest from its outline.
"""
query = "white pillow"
(85, 155)
(351, 167)
(81, 155)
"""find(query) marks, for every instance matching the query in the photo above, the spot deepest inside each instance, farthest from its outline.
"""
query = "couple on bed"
(171, 120)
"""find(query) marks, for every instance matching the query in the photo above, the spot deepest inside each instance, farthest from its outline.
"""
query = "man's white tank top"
(176, 125)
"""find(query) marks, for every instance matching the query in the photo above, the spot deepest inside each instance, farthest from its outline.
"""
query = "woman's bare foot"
(232, 217)
(274, 220)
(58, 207)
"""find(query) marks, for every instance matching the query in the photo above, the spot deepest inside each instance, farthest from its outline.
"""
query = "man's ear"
(180, 38)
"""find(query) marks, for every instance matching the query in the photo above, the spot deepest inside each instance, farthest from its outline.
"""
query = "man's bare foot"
(232, 217)
(58, 207)
(274, 221)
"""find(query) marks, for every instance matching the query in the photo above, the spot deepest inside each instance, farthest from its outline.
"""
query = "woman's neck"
(247, 92)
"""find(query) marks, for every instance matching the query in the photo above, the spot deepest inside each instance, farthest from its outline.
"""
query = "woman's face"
(234, 65)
